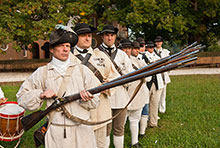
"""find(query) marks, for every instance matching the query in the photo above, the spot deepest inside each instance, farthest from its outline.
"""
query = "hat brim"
(46, 46)
(136, 47)
(158, 40)
(150, 45)
(66, 37)
(115, 31)
(86, 30)
(126, 46)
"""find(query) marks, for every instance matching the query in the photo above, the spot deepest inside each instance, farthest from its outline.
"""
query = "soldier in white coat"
(103, 70)
(155, 85)
(46, 82)
(141, 98)
(119, 100)
(162, 52)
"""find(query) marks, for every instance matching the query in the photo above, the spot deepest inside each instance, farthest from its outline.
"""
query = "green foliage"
(179, 21)
(28, 20)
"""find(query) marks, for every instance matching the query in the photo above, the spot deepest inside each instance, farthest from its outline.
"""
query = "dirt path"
(21, 76)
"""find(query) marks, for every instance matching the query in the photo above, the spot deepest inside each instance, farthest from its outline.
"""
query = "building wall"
(31, 53)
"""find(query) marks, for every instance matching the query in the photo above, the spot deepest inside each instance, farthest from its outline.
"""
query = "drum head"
(11, 110)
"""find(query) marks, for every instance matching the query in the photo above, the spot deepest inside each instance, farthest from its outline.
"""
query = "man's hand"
(47, 94)
(85, 95)
(3, 100)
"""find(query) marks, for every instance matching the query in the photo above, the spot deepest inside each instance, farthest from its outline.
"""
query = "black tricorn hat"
(60, 36)
(141, 40)
(125, 43)
(158, 39)
(82, 28)
(108, 29)
(150, 44)
(135, 44)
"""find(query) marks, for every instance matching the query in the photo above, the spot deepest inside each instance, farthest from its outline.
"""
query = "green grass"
(192, 118)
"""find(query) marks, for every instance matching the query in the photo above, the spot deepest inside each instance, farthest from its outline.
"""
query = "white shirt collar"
(60, 66)
(113, 46)
(80, 49)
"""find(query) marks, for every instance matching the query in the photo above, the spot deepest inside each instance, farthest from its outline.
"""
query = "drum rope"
(7, 126)
(17, 124)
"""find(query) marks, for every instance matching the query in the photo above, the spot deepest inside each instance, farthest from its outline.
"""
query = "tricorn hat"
(150, 44)
(82, 28)
(108, 29)
(125, 43)
(60, 36)
(135, 44)
(141, 41)
(158, 39)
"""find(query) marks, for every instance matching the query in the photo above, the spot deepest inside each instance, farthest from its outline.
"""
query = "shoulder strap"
(65, 82)
(135, 67)
(157, 53)
(147, 61)
(113, 55)
(44, 76)
(91, 67)
(116, 66)
(61, 90)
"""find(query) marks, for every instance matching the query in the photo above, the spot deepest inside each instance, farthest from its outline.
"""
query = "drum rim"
(13, 138)
(11, 116)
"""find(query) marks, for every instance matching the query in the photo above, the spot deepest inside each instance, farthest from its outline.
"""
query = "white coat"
(121, 98)
(78, 135)
(142, 96)
(152, 58)
(164, 53)
(100, 60)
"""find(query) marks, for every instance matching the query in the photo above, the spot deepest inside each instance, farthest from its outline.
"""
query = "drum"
(10, 121)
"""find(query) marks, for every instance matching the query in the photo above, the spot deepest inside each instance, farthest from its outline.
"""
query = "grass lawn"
(192, 118)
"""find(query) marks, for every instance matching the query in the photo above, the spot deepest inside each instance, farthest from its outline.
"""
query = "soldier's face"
(159, 44)
(142, 49)
(61, 51)
(84, 40)
(135, 51)
(150, 49)
(109, 39)
(127, 51)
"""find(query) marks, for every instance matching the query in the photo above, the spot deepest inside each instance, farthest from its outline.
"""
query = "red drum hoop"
(10, 121)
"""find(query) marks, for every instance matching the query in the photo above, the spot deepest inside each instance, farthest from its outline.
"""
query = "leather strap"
(135, 67)
(159, 54)
(91, 67)
(147, 61)
(112, 58)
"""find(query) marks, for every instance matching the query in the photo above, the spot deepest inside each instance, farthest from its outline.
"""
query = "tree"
(29, 20)
(179, 21)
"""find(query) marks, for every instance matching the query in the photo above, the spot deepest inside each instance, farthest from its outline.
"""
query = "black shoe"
(137, 145)
(154, 126)
(141, 136)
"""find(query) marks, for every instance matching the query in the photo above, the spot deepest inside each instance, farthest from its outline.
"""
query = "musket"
(160, 61)
(178, 58)
(30, 120)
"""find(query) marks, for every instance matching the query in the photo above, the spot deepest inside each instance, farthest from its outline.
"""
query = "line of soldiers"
(76, 67)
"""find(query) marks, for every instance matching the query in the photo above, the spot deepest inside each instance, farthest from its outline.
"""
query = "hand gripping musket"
(30, 120)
